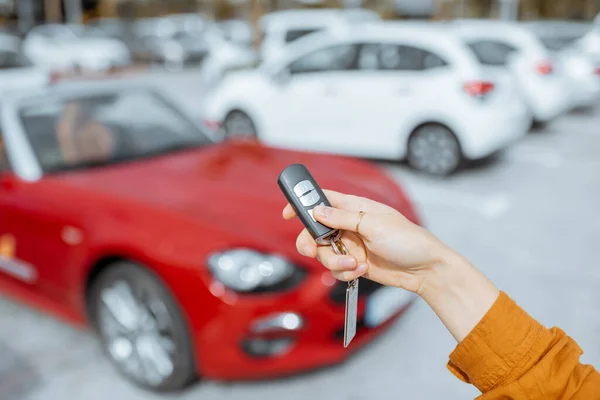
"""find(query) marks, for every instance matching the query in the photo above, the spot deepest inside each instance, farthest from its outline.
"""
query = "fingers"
(306, 245)
(344, 219)
(342, 267)
(344, 202)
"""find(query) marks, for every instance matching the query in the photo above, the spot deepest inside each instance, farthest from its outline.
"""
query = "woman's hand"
(387, 247)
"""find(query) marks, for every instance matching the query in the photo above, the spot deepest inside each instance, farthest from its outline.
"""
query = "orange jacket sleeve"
(509, 355)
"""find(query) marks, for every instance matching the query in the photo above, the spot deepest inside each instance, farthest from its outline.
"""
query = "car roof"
(510, 32)
(74, 89)
(310, 17)
(434, 37)
(558, 27)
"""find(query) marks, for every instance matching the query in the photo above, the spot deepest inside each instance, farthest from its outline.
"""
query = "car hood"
(232, 185)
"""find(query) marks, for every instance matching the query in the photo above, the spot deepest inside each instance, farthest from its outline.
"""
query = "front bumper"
(317, 343)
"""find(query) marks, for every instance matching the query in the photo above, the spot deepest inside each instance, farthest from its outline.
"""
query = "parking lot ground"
(527, 217)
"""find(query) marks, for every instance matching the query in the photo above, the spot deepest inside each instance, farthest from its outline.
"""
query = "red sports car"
(119, 210)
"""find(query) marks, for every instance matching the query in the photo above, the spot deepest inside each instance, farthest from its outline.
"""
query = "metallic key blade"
(351, 312)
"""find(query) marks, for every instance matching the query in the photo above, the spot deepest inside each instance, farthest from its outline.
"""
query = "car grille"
(365, 288)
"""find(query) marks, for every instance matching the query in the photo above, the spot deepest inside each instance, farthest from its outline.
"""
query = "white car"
(376, 91)
(223, 56)
(280, 28)
(505, 45)
(590, 42)
(17, 73)
(67, 47)
(560, 38)
(237, 31)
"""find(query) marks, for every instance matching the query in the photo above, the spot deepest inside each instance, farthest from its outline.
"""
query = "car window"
(55, 32)
(12, 60)
(294, 34)
(392, 57)
(557, 43)
(490, 52)
(72, 133)
(333, 58)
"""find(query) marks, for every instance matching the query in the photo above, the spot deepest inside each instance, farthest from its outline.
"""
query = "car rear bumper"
(488, 132)
(551, 100)
(226, 347)
(586, 92)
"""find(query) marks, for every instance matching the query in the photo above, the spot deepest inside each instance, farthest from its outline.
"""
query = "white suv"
(507, 46)
(381, 91)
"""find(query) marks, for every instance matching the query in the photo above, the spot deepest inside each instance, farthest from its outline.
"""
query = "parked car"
(560, 38)
(279, 28)
(506, 45)
(237, 31)
(590, 42)
(172, 246)
(383, 91)
(18, 73)
(9, 41)
(179, 39)
(66, 47)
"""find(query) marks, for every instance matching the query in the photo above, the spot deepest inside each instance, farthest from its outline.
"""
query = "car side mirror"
(282, 77)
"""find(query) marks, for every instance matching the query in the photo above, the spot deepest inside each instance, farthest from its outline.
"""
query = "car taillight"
(55, 76)
(544, 68)
(597, 71)
(478, 88)
(212, 125)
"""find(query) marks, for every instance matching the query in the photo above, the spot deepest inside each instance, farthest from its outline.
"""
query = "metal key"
(304, 194)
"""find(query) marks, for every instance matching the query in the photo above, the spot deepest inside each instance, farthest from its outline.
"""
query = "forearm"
(459, 294)
(502, 350)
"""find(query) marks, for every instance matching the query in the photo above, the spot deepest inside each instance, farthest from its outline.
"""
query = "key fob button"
(310, 212)
(303, 187)
(310, 198)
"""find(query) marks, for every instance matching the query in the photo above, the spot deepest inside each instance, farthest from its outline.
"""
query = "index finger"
(344, 202)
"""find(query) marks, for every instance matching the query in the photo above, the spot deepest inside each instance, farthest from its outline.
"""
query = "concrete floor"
(528, 218)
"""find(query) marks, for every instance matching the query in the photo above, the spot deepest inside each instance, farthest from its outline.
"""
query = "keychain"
(304, 194)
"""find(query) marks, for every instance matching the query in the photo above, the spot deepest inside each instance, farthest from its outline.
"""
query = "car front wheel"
(434, 149)
(141, 328)
(238, 124)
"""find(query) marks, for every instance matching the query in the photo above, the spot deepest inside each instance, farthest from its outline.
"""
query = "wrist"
(458, 293)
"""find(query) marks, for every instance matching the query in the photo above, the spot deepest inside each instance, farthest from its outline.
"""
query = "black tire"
(144, 282)
(238, 124)
(434, 149)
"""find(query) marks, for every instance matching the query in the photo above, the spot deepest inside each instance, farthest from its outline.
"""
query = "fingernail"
(347, 262)
(322, 211)
(362, 268)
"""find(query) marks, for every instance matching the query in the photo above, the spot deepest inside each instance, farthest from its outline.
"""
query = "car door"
(37, 235)
(307, 100)
(400, 82)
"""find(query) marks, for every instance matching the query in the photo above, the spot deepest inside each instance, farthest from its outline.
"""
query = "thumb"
(342, 219)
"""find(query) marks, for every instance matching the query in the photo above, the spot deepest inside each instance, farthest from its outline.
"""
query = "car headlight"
(246, 270)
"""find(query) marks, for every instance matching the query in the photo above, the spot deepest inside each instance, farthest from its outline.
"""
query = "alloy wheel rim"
(138, 332)
(434, 150)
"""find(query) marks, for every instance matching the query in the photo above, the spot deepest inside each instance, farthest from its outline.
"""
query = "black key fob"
(304, 194)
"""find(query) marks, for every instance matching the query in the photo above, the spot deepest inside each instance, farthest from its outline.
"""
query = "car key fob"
(304, 194)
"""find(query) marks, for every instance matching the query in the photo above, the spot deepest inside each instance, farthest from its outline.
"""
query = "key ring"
(338, 246)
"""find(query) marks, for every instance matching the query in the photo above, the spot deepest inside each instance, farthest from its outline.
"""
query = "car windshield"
(104, 129)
